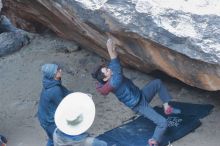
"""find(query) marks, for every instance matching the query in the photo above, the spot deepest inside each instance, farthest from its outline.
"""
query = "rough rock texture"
(178, 40)
(11, 38)
(28, 25)
(0, 5)
(11, 42)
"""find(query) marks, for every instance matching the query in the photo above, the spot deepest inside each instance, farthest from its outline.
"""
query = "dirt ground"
(20, 86)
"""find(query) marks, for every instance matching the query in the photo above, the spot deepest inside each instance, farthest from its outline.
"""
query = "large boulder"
(12, 39)
(30, 25)
(179, 38)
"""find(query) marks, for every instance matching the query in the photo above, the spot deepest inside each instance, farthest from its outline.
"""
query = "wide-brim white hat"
(75, 114)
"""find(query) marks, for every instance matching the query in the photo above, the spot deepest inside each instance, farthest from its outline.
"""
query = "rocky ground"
(21, 85)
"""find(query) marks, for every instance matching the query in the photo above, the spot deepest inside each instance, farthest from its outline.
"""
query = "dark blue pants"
(143, 107)
(49, 130)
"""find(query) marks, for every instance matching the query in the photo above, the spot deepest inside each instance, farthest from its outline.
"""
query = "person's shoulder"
(54, 90)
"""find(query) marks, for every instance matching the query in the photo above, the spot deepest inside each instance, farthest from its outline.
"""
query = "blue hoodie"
(52, 94)
(123, 88)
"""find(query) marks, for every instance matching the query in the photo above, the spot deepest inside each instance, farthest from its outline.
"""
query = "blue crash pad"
(138, 131)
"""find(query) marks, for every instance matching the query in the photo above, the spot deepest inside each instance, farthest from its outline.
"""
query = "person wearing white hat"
(51, 95)
(73, 117)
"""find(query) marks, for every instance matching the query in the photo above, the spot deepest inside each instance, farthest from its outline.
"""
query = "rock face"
(11, 38)
(28, 25)
(180, 39)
